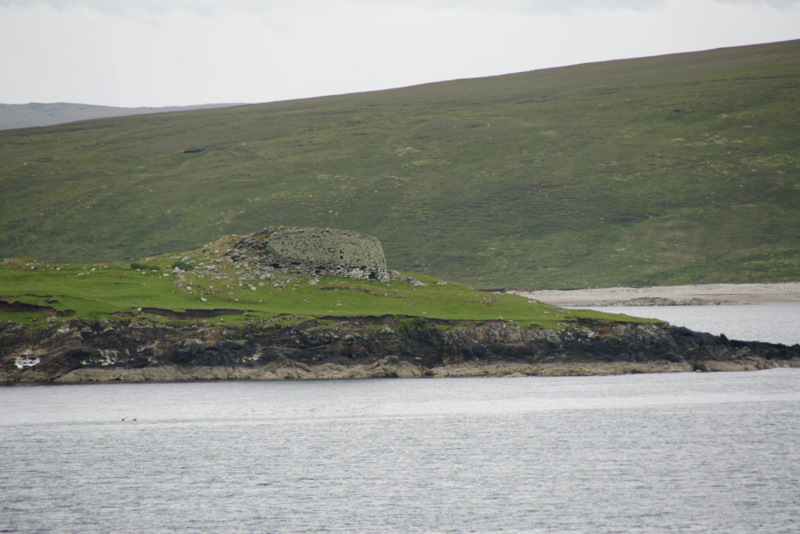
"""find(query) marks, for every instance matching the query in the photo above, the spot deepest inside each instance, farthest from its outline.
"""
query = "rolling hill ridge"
(667, 170)
(13, 116)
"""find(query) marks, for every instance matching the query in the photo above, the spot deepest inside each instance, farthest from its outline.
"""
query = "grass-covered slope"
(665, 170)
(206, 286)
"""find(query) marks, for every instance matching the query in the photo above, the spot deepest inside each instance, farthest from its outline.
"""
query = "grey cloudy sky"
(182, 52)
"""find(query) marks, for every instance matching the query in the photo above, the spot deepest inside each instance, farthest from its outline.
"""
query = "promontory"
(314, 303)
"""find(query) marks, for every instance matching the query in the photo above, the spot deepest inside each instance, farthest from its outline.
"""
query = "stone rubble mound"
(315, 251)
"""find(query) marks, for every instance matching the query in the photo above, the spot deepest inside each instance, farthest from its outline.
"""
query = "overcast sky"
(182, 52)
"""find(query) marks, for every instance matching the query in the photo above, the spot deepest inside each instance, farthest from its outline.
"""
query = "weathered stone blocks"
(316, 251)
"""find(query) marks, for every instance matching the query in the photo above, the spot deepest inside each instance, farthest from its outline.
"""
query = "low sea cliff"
(135, 350)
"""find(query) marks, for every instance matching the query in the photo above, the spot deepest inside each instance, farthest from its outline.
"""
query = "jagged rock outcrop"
(130, 349)
(314, 251)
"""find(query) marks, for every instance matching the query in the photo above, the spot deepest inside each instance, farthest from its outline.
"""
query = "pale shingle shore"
(701, 294)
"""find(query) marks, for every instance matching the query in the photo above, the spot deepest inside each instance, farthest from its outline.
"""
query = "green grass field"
(151, 287)
(668, 170)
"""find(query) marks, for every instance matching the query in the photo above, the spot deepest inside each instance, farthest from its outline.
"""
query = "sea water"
(685, 452)
(775, 322)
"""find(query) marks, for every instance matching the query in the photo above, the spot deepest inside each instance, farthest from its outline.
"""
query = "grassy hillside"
(666, 170)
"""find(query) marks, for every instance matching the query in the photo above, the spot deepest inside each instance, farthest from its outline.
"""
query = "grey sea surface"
(773, 322)
(684, 452)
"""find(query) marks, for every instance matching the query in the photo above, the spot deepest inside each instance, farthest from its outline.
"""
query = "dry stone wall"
(315, 251)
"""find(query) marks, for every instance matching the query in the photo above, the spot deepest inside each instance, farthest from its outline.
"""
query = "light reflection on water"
(688, 452)
(776, 322)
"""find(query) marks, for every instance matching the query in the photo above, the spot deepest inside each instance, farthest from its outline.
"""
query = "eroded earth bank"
(135, 350)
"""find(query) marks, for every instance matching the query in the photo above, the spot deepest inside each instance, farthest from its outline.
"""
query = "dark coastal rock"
(362, 347)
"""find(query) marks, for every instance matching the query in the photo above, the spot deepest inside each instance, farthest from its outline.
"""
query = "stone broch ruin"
(314, 251)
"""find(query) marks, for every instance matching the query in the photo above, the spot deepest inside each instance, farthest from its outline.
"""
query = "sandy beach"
(699, 295)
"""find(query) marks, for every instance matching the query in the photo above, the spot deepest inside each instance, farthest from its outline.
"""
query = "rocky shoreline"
(135, 350)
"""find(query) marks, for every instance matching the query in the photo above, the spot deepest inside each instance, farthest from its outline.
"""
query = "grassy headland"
(668, 170)
(204, 287)
(216, 313)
